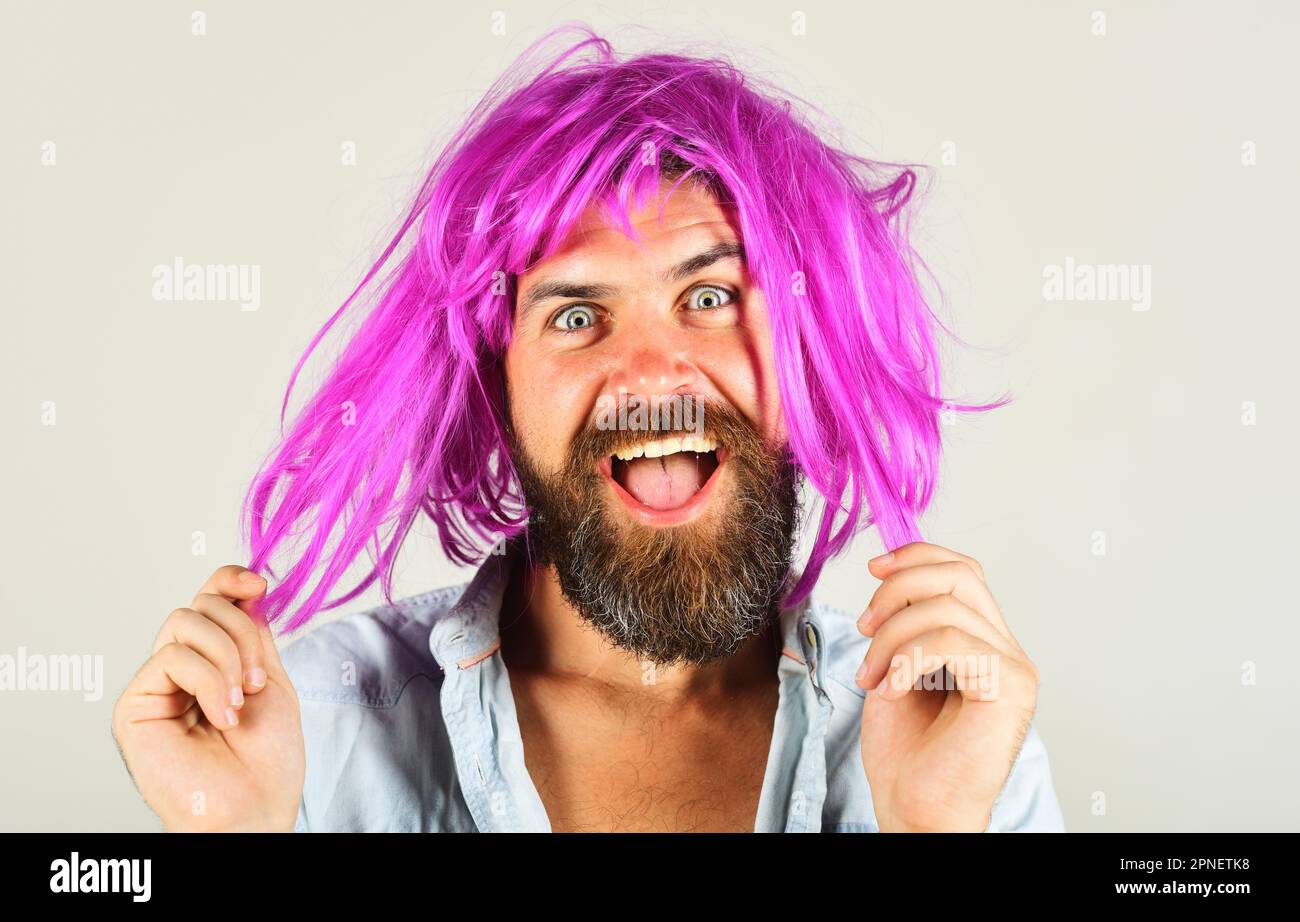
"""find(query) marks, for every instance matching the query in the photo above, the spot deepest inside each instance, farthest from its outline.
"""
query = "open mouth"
(665, 475)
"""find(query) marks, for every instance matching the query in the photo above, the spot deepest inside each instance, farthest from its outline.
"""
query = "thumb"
(254, 609)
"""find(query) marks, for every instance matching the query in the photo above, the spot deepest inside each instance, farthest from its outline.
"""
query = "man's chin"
(671, 582)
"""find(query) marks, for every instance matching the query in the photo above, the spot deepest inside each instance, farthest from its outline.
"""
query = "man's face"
(676, 556)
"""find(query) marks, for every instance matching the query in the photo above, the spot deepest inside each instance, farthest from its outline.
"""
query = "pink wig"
(410, 416)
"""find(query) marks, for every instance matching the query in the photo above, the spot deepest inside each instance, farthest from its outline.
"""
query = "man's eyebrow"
(558, 288)
(701, 261)
(544, 291)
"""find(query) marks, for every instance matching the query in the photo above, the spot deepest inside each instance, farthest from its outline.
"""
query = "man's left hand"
(937, 754)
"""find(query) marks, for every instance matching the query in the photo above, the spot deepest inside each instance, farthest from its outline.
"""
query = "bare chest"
(642, 770)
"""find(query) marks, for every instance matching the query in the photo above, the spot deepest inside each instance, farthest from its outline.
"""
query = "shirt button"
(810, 635)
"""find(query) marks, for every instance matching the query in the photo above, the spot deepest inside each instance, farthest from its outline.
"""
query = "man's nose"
(653, 368)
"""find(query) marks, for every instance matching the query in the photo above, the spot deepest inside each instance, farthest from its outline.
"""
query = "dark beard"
(691, 593)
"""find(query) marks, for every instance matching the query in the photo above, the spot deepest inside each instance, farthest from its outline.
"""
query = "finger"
(163, 707)
(271, 662)
(980, 672)
(914, 554)
(246, 589)
(177, 668)
(193, 629)
(905, 587)
(234, 582)
(236, 623)
(927, 615)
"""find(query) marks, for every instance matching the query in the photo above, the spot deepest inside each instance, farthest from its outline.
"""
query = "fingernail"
(866, 620)
(231, 717)
(236, 696)
(862, 672)
(249, 576)
(882, 559)
(255, 677)
(883, 684)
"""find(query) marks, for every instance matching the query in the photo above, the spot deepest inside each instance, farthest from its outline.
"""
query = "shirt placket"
(795, 784)
(478, 711)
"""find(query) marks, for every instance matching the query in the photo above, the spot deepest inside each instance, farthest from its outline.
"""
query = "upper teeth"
(661, 447)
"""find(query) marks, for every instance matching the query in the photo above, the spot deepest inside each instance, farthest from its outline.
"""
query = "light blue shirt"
(410, 725)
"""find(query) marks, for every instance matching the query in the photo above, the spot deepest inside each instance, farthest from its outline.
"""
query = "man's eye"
(709, 297)
(573, 318)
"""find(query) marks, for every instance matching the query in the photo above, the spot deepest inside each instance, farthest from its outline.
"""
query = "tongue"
(664, 483)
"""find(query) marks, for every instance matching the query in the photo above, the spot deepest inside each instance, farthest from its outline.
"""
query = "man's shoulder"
(370, 656)
(378, 754)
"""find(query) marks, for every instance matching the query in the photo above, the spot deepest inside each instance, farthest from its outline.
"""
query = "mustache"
(713, 419)
(674, 595)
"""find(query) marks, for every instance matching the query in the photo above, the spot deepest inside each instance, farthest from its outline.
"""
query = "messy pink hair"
(410, 417)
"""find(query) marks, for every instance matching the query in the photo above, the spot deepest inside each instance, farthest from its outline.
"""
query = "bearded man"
(639, 648)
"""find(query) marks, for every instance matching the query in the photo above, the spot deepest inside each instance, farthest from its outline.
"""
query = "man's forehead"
(677, 217)
(667, 241)
(598, 259)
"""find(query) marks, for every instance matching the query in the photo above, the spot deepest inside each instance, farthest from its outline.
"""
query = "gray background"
(1124, 148)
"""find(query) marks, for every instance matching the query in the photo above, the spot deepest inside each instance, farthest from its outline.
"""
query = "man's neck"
(543, 634)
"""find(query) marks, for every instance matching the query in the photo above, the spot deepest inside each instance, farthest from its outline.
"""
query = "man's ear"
(782, 434)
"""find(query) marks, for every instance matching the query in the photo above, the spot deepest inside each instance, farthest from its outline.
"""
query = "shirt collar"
(469, 632)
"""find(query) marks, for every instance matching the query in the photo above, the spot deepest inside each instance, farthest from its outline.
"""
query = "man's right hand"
(209, 727)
